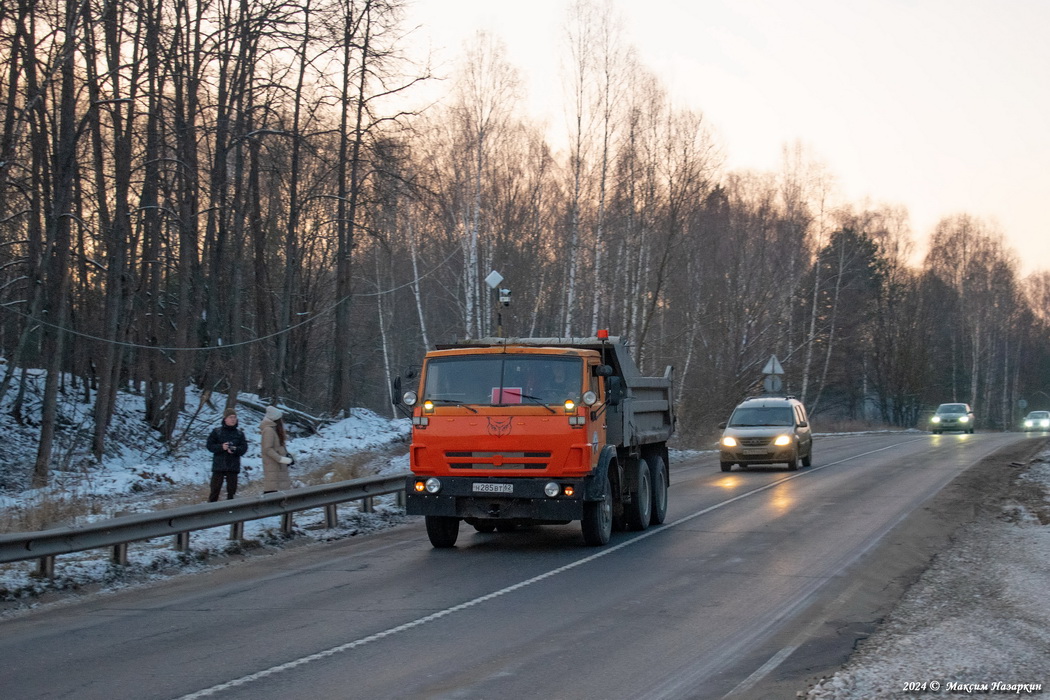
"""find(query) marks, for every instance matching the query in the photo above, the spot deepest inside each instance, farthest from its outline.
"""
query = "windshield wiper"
(538, 400)
(455, 402)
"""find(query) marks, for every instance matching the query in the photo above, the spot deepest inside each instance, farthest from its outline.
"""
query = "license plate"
(754, 450)
(493, 488)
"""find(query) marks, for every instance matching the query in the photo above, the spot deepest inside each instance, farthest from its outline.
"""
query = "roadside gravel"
(976, 622)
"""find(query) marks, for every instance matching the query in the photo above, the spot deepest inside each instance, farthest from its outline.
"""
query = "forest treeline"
(233, 195)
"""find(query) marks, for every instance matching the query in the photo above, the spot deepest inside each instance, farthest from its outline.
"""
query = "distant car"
(767, 430)
(1037, 420)
(952, 416)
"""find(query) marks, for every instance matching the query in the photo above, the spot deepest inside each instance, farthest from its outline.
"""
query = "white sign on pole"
(493, 279)
(773, 366)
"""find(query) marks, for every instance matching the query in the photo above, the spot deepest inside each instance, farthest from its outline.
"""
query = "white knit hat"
(273, 413)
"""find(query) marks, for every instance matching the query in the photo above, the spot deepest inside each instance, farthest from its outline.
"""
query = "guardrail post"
(331, 516)
(402, 500)
(46, 567)
(182, 541)
(237, 531)
(120, 554)
(286, 523)
(367, 505)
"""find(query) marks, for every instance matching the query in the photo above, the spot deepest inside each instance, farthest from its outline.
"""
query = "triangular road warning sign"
(773, 366)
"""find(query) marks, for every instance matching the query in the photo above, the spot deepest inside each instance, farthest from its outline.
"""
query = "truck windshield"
(500, 380)
(756, 416)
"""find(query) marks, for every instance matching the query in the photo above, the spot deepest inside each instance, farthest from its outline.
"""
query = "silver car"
(1037, 420)
(767, 430)
(952, 416)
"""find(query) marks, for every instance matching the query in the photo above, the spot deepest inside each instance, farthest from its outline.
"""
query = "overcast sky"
(942, 106)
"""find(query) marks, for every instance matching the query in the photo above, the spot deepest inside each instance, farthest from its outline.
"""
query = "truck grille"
(497, 460)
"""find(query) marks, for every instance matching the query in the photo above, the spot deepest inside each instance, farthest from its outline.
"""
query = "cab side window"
(593, 383)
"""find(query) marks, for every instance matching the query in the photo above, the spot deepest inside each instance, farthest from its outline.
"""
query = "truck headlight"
(433, 485)
(551, 489)
(410, 398)
(590, 398)
(782, 440)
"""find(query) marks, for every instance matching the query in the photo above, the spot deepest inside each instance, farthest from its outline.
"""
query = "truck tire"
(639, 510)
(442, 530)
(658, 475)
(597, 518)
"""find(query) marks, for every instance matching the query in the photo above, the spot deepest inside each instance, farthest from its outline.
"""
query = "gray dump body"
(645, 415)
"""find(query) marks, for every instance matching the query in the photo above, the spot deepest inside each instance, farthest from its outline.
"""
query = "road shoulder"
(860, 602)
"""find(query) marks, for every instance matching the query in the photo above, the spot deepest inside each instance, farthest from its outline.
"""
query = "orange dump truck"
(508, 432)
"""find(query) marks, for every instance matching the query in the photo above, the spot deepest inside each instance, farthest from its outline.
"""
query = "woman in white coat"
(275, 455)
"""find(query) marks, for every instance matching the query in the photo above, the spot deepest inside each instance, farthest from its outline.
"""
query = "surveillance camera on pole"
(492, 280)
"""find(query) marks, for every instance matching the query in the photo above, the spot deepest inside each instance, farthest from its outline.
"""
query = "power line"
(209, 348)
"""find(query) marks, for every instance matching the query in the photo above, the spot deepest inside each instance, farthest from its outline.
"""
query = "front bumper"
(951, 425)
(771, 455)
(460, 497)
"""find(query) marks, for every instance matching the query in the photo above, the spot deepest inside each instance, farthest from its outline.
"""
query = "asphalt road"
(735, 585)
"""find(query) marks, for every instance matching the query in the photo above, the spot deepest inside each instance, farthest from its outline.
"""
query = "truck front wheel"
(442, 530)
(597, 518)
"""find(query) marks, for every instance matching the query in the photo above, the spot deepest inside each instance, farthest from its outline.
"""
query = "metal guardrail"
(117, 533)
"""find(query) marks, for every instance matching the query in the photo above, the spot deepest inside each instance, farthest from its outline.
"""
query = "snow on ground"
(138, 474)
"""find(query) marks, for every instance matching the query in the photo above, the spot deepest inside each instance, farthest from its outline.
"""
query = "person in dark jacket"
(226, 444)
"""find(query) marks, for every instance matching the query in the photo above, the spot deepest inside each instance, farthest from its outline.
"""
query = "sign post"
(773, 370)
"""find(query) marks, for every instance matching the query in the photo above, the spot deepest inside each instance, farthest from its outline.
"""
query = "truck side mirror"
(613, 390)
(603, 371)
(395, 393)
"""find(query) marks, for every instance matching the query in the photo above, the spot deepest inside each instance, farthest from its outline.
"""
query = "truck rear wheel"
(442, 530)
(639, 510)
(597, 518)
(658, 474)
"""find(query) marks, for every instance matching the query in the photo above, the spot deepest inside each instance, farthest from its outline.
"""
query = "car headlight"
(1028, 424)
(782, 440)
(964, 419)
(935, 419)
(1045, 423)
(728, 441)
